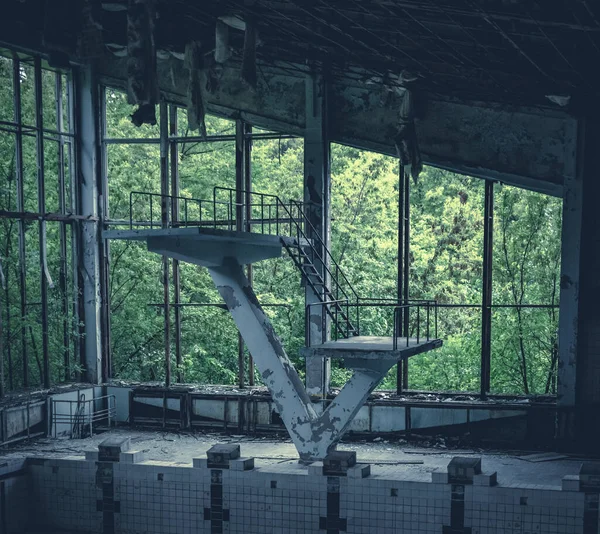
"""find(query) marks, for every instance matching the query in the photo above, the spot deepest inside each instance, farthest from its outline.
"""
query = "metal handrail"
(398, 306)
(185, 221)
(82, 412)
(336, 288)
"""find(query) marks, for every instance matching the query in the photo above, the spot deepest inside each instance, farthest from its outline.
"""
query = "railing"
(80, 415)
(192, 211)
(251, 211)
(424, 326)
(296, 224)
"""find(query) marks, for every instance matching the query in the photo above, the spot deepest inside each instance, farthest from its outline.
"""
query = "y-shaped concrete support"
(314, 435)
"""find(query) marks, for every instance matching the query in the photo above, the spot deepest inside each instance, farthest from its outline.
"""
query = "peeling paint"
(229, 297)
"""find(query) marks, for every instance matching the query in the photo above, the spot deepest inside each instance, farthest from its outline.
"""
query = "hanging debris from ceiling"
(249, 57)
(91, 41)
(142, 78)
(251, 41)
(222, 51)
(407, 145)
(196, 112)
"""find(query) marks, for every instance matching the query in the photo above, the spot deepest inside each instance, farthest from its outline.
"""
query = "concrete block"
(91, 456)
(200, 463)
(589, 475)
(315, 469)
(462, 469)
(359, 471)
(241, 464)
(490, 479)
(571, 483)
(131, 457)
(439, 477)
(337, 463)
(220, 454)
(111, 448)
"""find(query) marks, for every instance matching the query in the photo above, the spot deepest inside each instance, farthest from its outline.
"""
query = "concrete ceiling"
(518, 138)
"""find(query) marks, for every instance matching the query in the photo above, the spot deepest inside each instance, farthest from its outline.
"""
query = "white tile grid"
(161, 499)
(65, 495)
(167, 499)
(500, 510)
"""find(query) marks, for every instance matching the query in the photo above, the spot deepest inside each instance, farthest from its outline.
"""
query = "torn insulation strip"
(141, 61)
(196, 112)
(222, 52)
(407, 146)
(249, 57)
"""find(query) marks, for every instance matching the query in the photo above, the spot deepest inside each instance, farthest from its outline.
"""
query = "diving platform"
(371, 347)
(209, 246)
(218, 244)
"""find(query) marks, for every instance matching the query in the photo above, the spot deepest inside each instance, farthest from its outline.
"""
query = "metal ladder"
(306, 255)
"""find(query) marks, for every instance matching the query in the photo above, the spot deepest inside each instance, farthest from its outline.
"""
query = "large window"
(40, 334)
(204, 341)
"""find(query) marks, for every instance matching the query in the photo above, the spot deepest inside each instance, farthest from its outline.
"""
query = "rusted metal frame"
(63, 231)
(104, 247)
(174, 138)
(486, 295)
(239, 222)
(403, 268)
(406, 271)
(400, 267)
(74, 209)
(35, 216)
(52, 134)
(165, 221)
(248, 138)
(20, 208)
(176, 271)
(8, 338)
(44, 274)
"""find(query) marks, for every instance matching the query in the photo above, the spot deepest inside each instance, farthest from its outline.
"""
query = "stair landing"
(371, 347)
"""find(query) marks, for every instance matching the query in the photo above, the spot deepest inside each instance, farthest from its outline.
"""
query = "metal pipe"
(248, 137)
(486, 295)
(176, 271)
(20, 208)
(239, 220)
(164, 189)
(44, 274)
(406, 268)
(400, 272)
(62, 231)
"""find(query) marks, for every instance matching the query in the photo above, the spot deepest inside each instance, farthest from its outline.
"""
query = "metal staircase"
(308, 251)
(224, 236)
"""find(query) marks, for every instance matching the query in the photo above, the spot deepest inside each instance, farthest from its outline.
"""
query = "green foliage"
(445, 258)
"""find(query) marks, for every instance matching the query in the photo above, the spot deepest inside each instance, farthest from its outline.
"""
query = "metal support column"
(165, 209)
(578, 396)
(174, 162)
(63, 232)
(239, 221)
(88, 236)
(44, 275)
(402, 280)
(248, 217)
(104, 244)
(486, 294)
(403, 267)
(317, 195)
(21, 209)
